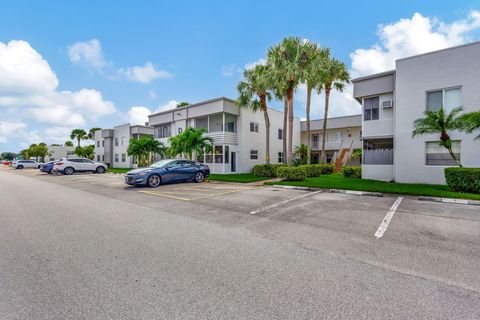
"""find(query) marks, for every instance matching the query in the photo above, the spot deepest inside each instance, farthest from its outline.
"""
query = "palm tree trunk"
(454, 157)
(290, 127)
(78, 141)
(324, 129)
(263, 101)
(309, 95)
(285, 120)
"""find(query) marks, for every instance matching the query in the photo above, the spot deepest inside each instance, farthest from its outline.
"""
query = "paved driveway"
(88, 246)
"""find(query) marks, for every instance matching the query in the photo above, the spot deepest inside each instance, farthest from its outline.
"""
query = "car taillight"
(58, 163)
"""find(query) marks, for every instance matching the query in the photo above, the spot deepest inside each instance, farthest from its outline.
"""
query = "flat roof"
(193, 105)
(375, 75)
(440, 50)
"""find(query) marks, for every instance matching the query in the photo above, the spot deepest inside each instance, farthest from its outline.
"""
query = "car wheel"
(20, 167)
(100, 169)
(38, 167)
(68, 171)
(49, 171)
(154, 181)
(199, 177)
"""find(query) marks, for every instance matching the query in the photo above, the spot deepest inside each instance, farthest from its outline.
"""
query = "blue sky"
(66, 64)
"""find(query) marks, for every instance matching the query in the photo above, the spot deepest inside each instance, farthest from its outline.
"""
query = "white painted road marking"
(386, 221)
(283, 202)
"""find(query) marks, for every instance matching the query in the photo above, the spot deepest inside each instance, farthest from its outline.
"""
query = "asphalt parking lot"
(280, 253)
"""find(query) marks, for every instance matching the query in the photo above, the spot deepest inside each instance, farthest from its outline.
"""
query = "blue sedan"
(167, 171)
(47, 167)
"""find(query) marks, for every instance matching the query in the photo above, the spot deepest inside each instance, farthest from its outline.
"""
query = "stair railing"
(349, 155)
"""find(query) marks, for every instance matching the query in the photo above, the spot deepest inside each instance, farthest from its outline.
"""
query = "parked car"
(70, 165)
(47, 167)
(166, 171)
(21, 164)
(6, 163)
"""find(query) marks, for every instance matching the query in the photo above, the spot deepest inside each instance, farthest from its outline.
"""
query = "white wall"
(377, 172)
(99, 151)
(384, 125)
(119, 132)
(415, 76)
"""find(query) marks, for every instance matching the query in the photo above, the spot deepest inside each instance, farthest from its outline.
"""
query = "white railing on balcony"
(223, 137)
(378, 156)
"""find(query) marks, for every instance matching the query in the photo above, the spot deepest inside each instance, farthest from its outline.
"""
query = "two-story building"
(393, 100)
(58, 152)
(343, 135)
(111, 144)
(238, 133)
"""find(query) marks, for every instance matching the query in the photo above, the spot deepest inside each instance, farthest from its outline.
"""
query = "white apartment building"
(58, 152)
(343, 135)
(393, 100)
(238, 134)
(111, 144)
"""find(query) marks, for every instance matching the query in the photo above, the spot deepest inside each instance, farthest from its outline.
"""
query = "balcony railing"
(378, 156)
(223, 137)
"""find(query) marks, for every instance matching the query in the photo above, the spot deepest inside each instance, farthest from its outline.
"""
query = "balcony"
(221, 137)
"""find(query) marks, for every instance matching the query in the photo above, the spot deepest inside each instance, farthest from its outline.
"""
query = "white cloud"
(410, 36)
(8, 128)
(172, 104)
(57, 134)
(228, 71)
(251, 65)
(28, 82)
(143, 74)
(138, 115)
(88, 53)
(152, 94)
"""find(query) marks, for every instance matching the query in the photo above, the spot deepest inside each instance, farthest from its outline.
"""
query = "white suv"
(20, 164)
(69, 166)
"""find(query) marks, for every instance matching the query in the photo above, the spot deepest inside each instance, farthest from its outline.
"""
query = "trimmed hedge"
(313, 170)
(327, 168)
(292, 173)
(463, 179)
(266, 170)
(352, 171)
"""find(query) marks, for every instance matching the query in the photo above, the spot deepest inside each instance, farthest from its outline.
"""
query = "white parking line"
(386, 221)
(283, 202)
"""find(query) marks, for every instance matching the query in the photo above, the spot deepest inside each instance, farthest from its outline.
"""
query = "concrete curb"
(450, 200)
(352, 192)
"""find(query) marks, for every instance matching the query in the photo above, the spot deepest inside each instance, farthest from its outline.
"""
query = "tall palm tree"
(189, 143)
(317, 57)
(144, 149)
(78, 134)
(288, 61)
(68, 143)
(91, 133)
(253, 93)
(440, 122)
(334, 75)
(471, 122)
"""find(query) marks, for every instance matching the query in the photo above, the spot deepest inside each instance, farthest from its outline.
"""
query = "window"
(335, 136)
(180, 130)
(253, 127)
(103, 157)
(218, 154)
(227, 154)
(280, 157)
(315, 140)
(230, 127)
(124, 157)
(116, 157)
(280, 134)
(123, 141)
(446, 98)
(98, 157)
(370, 108)
(437, 155)
(253, 154)
(98, 144)
(103, 143)
(163, 130)
(116, 142)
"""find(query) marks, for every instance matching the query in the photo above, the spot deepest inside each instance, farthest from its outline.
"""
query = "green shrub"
(292, 173)
(313, 170)
(352, 171)
(327, 168)
(463, 179)
(266, 170)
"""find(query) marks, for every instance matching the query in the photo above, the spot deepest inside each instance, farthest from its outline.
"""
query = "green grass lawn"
(337, 181)
(119, 170)
(236, 177)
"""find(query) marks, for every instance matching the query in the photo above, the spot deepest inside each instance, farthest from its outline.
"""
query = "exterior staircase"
(340, 160)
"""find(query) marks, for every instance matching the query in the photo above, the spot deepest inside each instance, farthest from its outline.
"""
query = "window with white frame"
(253, 154)
(124, 157)
(315, 140)
(163, 130)
(98, 157)
(124, 139)
(371, 108)
(103, 143)
(437, 155)
(116, 157)
(218, 154)
(336, 136)
(116, 142)
(98, 144)
(253, 127)
(280, 157)
(180, 130)
(446, 98)
(280, 134)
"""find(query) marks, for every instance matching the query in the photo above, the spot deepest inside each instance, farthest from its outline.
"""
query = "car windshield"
(160, 164)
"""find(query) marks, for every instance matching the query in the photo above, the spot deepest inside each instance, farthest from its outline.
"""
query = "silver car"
(21, 164)
(70, 165)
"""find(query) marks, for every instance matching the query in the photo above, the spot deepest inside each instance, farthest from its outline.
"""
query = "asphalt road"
(87, 247)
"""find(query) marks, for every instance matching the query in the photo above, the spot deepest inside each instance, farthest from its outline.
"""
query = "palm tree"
(317, 57)
(253, 93)
(144, 149)
(471, 122)
(334, 75)
(439, 122)
(78, 134)
(182, 104)
(68, 144)
(302, 152)
(288, 61)
(91, 133)
(189, 143)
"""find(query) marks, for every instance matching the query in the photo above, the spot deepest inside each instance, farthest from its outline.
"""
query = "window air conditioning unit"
(387, 104)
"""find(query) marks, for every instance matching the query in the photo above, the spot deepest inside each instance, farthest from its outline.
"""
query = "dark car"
(47, 167)
(167, 171)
